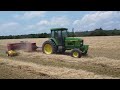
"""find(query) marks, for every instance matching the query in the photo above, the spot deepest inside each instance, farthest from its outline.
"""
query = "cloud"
(31, 14)
(60, 21)
(40, 24)
(10, 25)
(43, 22)
(10, 28)
(104, 19)
(56, 21)
(45, 25)
(76, 22)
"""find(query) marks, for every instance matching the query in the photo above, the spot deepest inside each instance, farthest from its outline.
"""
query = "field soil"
(102, 61)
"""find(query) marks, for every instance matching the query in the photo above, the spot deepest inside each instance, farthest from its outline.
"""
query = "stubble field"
(102, 61)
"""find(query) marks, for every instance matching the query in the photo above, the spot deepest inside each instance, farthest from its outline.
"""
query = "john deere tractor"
(60, 42)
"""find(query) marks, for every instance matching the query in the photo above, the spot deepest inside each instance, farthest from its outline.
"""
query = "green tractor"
(60, 42)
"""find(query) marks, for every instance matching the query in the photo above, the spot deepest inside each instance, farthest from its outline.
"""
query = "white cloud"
(56, 21)
(9, 25)
(90, 21)
(43, 22)
(31, 14)
(45, 25)
(107, 20)
(10, 28)
(29, 27)
(60, 21)
(76, 22)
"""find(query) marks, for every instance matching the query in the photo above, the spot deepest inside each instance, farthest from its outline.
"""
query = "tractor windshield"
(64, 33)
(55, 34)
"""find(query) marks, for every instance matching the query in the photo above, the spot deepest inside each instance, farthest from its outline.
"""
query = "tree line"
(96, 32)
(42, 35)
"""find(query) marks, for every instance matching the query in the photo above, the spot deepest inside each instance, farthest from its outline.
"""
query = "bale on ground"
(11, 53)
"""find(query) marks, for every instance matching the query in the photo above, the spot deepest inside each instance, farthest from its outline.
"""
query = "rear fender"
(53, 40)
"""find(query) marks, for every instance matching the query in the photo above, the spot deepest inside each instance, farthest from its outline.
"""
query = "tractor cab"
(59, 34)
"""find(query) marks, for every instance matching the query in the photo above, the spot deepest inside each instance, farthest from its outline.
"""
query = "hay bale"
(11, 53)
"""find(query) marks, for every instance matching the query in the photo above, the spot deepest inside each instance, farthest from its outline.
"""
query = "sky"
(32, 22)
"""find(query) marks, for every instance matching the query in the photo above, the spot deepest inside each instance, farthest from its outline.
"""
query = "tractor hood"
(73, 39)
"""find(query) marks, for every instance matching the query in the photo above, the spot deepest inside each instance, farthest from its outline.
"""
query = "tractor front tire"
(76, 53)
(49, 47)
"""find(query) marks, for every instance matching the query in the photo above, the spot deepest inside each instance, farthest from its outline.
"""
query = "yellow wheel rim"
(48, 49)
(75, 54)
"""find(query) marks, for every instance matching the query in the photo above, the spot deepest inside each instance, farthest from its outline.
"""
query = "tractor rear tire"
(49, 47)
(76, 53)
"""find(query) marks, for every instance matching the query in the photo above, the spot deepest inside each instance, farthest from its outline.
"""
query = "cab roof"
(57, 29)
